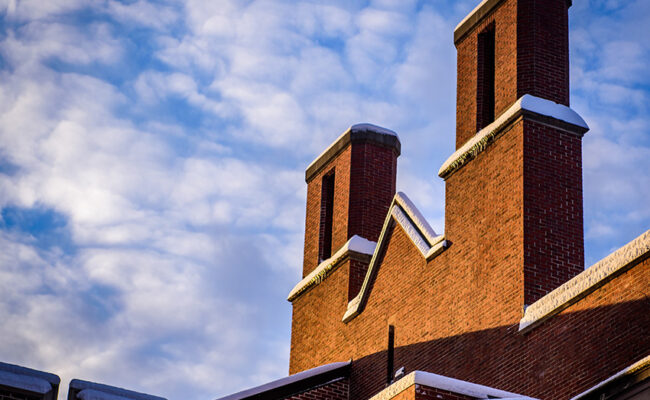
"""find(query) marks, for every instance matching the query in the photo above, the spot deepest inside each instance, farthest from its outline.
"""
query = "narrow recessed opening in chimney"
(326, 215)
(485, 78)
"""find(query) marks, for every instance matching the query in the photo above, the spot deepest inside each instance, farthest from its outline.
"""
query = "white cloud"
(186, 234)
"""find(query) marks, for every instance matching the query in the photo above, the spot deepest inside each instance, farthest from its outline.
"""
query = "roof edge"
(293, 383)
(586, 282)
(445, 383)
(78, 385)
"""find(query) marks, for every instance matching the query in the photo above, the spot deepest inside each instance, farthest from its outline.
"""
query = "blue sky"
(152, 158)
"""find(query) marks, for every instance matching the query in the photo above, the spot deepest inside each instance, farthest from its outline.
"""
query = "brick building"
(498, 306)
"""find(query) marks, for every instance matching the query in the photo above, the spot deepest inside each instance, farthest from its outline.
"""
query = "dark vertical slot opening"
(391, 354)
(485, 78)
(326, 215)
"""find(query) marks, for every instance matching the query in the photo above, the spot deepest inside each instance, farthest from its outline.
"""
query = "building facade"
(500, 305)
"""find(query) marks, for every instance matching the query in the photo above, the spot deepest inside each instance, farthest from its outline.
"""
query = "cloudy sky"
(152, 158)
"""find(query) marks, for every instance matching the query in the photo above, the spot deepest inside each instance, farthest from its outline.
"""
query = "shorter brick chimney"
(349, 189)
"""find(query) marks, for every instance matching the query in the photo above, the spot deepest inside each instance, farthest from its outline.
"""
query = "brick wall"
(504, 19)
(337, 390)
(458, 314)
(341, 167)
(543, 49)
(514, 218)
(364, 185)
(531, 57)
(553, 220)
(428, 393)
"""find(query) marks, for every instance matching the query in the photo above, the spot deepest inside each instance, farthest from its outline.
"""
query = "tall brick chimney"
(349, 189)
(514, 185)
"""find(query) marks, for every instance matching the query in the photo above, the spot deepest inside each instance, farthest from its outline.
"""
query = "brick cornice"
(586, 282)
(476, 15)
(529, 107)
(359, 133)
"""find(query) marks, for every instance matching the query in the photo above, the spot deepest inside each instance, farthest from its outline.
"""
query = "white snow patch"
(355, 244)
(636, 366)
(411, 231)
(98, 391)
(551, 109)
(286, 381)
(526, 102)
(360, 245)
(355, 128)
(445, 383)
(25, 382)
(417, 217)
(573, 290)
(373, 128)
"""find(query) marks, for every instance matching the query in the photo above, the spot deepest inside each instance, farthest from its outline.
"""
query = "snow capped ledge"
(640, 365)
(542, 110)
(356, 244)
(85, 390)
(403, 212)
(444, 383)
(586, 282)
(355, 133)
(334, 370)
(27, 379)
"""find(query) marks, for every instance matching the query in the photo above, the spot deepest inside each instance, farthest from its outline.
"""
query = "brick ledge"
(445, 383)
(535, 108)
(586, 282)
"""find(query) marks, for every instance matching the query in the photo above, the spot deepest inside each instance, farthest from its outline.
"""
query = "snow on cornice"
(445, 383)
(356, 244)
(97, 391)
(485, 136)
(586, 282)
(419, 232)
(25, 382)
(286, 381)
(637, 366)
(352, 130)
(27, 379)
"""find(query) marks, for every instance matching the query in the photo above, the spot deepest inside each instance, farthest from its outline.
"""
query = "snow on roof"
(445, 383)
(639, 365)
(356, 244)
(364, 127)
(97, 391)
(404, 212)
(526, 102)
(417, 217)
(25, 382)
(286, 381)
(26, 378)
(585, 282)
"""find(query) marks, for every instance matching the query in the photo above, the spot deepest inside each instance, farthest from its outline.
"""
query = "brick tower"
(349, 189)
(526, 188)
